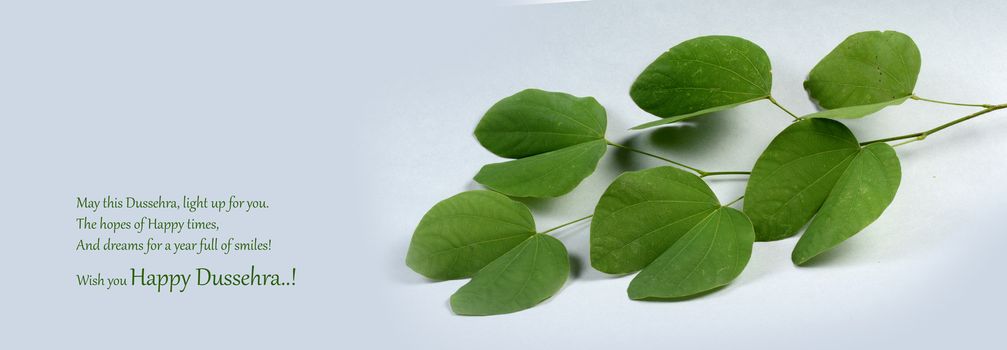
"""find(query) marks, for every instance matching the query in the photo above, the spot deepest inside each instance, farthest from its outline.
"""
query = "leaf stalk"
(701, 173)
(566, 224)
(773, 100)
(951, 103)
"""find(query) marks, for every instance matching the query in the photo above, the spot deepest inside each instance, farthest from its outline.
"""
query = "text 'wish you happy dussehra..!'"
(188, 232)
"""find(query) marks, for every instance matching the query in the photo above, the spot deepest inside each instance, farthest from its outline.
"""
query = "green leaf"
(868, 68)
(558, 140)
(710, 255)
(461, 234)
(642, 213)
(670, 224)
(525, 276)
(855, 111)
(703, 75)
(535, 121)
(545, 175)
(862, 193)
(816, 166)
(795, 174)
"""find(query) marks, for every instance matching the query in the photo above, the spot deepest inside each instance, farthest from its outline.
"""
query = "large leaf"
(816, 166)
(670, 224)
(557, 139)
(642, 213)
(545, 175)
(703, 75)
(533, 121)
(862, 193)
(710, 255)
(868, 68)
(464, 233)
(855, 111)
(525, 276)
(794, 175)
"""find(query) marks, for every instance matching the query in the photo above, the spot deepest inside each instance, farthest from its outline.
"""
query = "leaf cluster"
(665, 222)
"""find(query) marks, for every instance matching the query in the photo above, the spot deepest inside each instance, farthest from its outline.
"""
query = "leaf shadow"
(684, 139)
(584, 272)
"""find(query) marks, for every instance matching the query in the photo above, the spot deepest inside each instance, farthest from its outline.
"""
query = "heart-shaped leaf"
(862, 193)
(868, 68)
(795, 174)
(525, 276)
(464, 233)
(702, 75)
(816, 166)
(556, 138)
(642, 213)
(670, 224)
(710, 255)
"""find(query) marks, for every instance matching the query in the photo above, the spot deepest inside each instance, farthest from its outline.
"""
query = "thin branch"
(566, 224)
(919, 136)
(773, 100)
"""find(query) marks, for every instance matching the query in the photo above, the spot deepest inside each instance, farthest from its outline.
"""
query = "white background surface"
(353, 119)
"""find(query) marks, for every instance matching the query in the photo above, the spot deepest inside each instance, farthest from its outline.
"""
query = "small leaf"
(703, 75)
(525, 276)
(862, 193)
(855, 111)
(795, 174)
(557, 139)
(868, 68)
(461, 234)
(643, 213)
(534, 121)
(710, 255)
(545, 175)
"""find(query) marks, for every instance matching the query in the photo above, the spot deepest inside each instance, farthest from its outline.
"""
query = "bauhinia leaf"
(670, 224)
(710, 255)
(795, 174)
(855, 111)
(548, 174)
(556, 138)
(703, 75)
(464, 233)
(643, 213)
(868, 68)
(817, 166)
(525, 276)
(534, 121)
(862, 193)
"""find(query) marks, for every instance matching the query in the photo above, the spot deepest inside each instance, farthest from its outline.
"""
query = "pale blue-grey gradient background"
(354, 118)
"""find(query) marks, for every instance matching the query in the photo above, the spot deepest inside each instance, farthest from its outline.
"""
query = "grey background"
(353, 119)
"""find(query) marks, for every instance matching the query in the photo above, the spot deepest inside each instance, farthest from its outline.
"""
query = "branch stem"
(734, 201)
(701, 173)
(773, 100)
(631, 149)
(715, 173)
(920, 136)
(566, 224)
